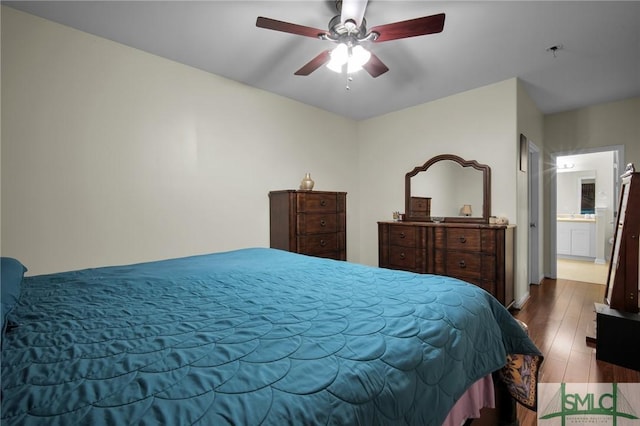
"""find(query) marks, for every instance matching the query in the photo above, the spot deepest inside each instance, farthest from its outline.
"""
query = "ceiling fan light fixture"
(354, 57)
(359, 56)
(353, 68)
(339, 57)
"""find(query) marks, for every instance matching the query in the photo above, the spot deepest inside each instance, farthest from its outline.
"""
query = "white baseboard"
(518, 304)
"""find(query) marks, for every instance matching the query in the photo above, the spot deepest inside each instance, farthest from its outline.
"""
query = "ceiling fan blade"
(353, 9)
(410, 28)
(286, 27)
(375, 67)
(314, 64)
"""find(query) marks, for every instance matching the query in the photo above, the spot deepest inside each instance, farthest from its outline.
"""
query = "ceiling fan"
(349, 31)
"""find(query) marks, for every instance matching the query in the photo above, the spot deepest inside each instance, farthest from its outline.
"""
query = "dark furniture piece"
(309, 222)
(617, 319)
(481, 254)
(464, 247)
(623, 278)
(419, 207)
(616, 332)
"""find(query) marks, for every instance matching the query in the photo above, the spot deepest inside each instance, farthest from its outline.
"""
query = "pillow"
(11, 274)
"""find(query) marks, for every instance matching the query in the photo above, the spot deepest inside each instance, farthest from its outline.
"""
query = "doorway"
(583, 209)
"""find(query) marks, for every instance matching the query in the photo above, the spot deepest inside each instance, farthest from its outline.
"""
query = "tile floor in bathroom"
(581, 270)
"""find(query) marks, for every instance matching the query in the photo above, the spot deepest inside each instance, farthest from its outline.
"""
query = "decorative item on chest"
(307, 183)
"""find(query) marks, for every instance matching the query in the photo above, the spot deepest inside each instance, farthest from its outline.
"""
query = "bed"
(255, 336)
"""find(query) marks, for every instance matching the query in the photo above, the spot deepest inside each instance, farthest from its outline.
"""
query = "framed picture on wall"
(524, 153)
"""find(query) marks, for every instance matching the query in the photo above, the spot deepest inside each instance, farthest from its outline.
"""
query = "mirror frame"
(486, 185)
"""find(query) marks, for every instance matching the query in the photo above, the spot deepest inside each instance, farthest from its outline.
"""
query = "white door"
(534, 208)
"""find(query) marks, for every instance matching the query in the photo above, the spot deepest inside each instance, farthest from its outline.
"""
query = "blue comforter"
(249, 337)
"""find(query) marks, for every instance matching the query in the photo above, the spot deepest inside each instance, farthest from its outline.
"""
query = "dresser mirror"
(452, 189)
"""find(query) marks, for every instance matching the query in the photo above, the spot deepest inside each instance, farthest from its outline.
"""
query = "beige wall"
(477, 125)
(603, 125)
(598, 126)
(111, 155)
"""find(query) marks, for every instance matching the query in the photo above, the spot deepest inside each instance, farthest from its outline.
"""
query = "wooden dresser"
(309, 222)
(481, 254)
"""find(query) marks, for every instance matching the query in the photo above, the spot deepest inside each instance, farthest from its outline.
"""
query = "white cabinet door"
(564, 238)
(580, 242)
(575, 238)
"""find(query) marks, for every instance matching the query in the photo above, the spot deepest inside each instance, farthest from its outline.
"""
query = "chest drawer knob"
(402, 235)
(402, 255)
(323, 243)
(323, 222)
(462, 264)
(462, 239)
(323, 203)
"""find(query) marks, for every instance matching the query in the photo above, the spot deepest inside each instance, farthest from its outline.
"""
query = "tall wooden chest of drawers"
(480, 254)
(309, 222)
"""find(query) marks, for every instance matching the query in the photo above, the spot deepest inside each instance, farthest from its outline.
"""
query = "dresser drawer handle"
(323, 243)
(323, 203)
(462, 264)
(402, 255)
(462, 239)
(402, 235)
(323, 222)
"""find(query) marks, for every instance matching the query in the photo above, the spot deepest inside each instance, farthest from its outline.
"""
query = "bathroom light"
(566, 166)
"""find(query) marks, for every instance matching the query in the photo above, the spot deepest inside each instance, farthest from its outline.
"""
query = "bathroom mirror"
(454, 189)
(576, 192)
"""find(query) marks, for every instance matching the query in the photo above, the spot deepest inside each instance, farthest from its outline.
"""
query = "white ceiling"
(483, 42)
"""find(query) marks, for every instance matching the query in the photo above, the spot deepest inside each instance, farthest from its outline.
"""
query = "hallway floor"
(585, 271)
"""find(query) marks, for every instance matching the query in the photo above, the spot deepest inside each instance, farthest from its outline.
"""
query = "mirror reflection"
(450, 188)
(454, 190)
(576, 192)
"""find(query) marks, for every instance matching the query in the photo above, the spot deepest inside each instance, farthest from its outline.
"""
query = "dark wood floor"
(559, 313)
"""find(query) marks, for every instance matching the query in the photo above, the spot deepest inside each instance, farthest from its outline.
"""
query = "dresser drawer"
(462, 264)
(463, 239)
(317, 202)
(471, 265)
(321, 243)
(404, 236)
(317, 223)
(402, 258)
